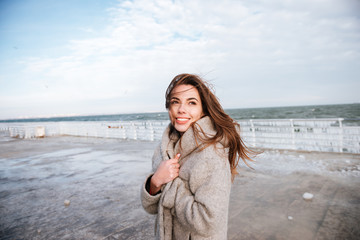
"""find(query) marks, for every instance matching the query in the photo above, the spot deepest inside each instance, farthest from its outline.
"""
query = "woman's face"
(185, 107)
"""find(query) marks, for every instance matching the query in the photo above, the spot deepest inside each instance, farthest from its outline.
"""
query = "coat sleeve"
(202, 206)
(148, 201)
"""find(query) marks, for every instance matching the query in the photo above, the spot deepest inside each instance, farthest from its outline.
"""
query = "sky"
(84, 57)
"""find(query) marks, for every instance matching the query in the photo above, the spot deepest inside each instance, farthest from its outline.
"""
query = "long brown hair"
(225, 127)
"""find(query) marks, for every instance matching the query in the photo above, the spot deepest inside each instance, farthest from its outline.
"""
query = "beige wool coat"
(195, 204)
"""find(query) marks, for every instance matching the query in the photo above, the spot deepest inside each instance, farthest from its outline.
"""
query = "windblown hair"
(226, 128)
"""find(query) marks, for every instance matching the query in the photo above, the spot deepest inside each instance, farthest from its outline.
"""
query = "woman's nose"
(181, 108)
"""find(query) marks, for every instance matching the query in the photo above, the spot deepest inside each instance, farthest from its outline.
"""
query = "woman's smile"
(182, 120)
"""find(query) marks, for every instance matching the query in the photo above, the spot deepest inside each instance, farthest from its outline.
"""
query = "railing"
(149, 130)
(324, 135)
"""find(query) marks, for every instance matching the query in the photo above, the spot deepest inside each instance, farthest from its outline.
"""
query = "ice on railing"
(327, 135)
(302, 134)
(150, 130)
(315, 123)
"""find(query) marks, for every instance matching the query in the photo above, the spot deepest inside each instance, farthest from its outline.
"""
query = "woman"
(194, 164)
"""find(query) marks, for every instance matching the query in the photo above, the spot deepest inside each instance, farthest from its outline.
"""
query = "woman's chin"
(182, 127)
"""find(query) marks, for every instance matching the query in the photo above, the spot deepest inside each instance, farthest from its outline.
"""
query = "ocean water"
(350, 112)
(346, 111)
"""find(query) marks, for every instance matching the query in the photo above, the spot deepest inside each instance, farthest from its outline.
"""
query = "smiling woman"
(194, 164)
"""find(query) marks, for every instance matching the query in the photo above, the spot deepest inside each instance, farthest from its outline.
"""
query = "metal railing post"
(341, 135)
(292, 134)
(253, 132)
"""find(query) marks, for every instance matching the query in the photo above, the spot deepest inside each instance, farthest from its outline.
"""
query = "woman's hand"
(167, 171)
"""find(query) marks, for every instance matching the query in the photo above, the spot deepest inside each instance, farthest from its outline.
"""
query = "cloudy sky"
(80, 57)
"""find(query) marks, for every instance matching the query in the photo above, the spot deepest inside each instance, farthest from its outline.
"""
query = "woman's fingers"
(168, 170)
(172, 161)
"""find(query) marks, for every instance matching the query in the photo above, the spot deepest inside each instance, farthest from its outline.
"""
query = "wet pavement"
(101, 179)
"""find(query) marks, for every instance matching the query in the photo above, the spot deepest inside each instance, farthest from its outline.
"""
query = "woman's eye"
(174, 102)
(192, 103)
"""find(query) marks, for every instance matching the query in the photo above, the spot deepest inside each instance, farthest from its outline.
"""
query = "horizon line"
(128, 113)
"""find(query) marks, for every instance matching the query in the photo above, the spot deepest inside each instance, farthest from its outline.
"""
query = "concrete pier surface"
(88, 188)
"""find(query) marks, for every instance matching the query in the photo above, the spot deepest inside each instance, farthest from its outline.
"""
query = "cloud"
(254, 52)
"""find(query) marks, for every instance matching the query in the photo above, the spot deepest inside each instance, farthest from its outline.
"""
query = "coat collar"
(188, 142)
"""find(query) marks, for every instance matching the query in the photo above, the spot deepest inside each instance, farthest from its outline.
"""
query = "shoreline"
(102, 177)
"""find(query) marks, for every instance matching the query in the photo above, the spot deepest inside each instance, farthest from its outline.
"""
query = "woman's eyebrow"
(192, 98)
(188, 99)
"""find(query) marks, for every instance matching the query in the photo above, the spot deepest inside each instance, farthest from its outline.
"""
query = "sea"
(349, 112)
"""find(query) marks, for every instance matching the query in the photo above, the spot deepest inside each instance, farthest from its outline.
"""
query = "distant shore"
(88, 188)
